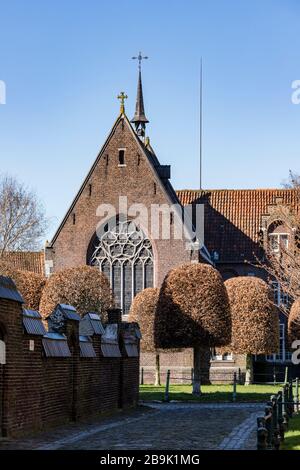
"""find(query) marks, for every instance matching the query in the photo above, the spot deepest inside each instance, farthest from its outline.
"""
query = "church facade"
(110, 225)
(116, 219)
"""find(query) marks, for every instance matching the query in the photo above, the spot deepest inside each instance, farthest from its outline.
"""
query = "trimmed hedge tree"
(255, 321)
(29, 284)
(193, 312)
(84, 287)
(294, 322)
(142, 311)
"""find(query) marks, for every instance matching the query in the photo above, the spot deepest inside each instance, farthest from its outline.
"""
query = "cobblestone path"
(173, 426)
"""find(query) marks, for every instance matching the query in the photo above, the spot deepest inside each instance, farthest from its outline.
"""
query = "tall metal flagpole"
(200, 125)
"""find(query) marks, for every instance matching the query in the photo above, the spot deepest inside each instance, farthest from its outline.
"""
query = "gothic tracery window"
(124, 254)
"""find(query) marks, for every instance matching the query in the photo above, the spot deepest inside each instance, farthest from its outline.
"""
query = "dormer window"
(278, 237)
(278, 241)
(122, 157)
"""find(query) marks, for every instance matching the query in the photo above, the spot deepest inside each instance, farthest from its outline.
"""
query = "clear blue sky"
(64, 62)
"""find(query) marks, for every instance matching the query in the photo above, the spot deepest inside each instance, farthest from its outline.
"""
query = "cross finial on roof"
(140, 58)
(122, 97)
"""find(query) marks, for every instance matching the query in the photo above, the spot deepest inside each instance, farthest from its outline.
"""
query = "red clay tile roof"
(26, 260)
(233, 218)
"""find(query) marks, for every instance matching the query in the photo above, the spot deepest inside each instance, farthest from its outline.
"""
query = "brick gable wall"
(108, 181)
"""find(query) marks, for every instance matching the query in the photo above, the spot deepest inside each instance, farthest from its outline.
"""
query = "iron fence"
(279, 410)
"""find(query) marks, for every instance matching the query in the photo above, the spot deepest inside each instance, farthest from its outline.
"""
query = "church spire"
(139, 118)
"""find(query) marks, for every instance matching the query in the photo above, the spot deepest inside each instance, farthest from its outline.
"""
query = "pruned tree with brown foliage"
(142, 311)
(294, 322)
(255, 321)
(29, 284)
(193, 312)
(84, 287)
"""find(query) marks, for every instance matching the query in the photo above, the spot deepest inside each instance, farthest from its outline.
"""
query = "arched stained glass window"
(124, 254)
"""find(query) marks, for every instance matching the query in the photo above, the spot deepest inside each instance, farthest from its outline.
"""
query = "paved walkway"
(173, 426)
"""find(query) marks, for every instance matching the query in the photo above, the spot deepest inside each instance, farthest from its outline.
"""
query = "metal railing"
(185, 377)
(279, 410)
(215, 376)
(234, 383)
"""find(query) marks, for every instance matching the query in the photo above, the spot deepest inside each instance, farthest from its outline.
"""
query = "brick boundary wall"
(180, 365)
(37, 392)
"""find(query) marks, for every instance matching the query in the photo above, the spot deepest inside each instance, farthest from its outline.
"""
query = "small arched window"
(122, 157)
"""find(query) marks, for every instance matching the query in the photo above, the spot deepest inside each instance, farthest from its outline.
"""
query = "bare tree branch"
(283, 265)
(22, 218)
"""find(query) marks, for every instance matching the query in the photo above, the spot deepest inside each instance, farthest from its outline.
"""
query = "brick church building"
(235, 223)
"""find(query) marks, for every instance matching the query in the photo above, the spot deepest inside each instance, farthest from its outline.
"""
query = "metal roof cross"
(122, 97)
(140, 58)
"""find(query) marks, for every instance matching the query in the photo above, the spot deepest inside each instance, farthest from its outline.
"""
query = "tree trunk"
(249, 370)
(157, 370)
(197, 371)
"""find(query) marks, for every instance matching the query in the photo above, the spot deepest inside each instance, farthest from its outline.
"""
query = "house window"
(221, 357)
(283, 355)
(280, 297)
(122, 157)
(278, 241)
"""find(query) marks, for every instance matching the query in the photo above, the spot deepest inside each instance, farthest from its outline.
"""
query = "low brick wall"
(37, 392)
(180, 365)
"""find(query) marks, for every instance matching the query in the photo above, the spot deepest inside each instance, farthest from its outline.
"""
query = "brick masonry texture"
(33, 261)
(137, 180)
(38, 392)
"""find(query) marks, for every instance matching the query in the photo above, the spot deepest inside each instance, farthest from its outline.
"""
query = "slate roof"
(9, 291)
(232, 218)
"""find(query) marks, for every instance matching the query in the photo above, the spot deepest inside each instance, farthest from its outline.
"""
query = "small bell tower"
(139, 119)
